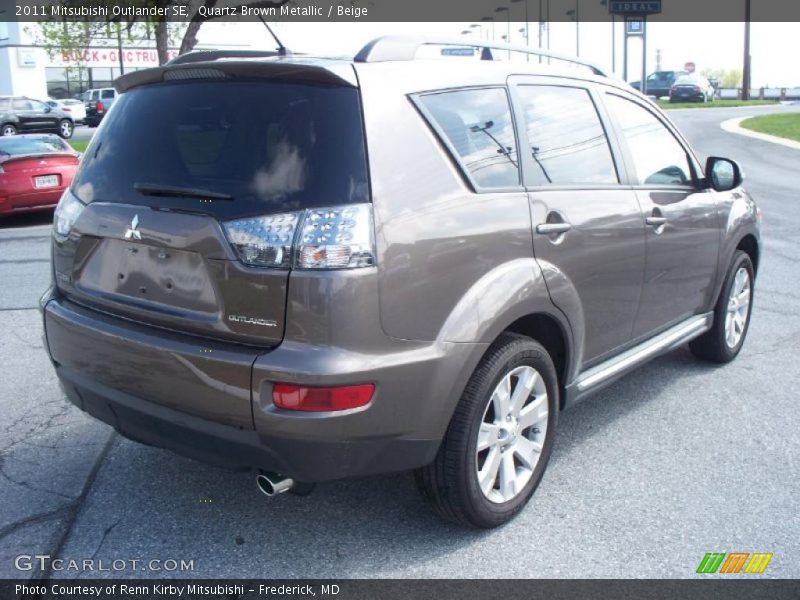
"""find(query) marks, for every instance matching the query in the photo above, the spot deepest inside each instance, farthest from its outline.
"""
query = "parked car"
(375, 265)
(35, 169)
(659, 83)
(691, 88)
(19, 114)
(71, 106)
(97, 103)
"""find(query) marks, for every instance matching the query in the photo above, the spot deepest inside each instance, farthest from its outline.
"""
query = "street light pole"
(480, 29)
(506, 10)
(578, 27)
(526, 30)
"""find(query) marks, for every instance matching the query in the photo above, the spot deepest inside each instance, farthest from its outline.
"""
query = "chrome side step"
(609, 370)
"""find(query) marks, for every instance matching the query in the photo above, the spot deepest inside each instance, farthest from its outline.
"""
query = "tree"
(197, 20)
(728, 78)
(71, 38)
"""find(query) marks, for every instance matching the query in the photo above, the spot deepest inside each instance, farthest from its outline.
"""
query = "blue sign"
(634, 26)
(634, 7)
(458, 51)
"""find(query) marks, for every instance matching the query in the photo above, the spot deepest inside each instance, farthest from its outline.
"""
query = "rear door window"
(476, 126)
(270, 146)
(568, 142)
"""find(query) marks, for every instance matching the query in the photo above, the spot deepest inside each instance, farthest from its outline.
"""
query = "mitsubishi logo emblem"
(133, 232)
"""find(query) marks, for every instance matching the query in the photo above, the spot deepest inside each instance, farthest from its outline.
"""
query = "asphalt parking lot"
(675, 460)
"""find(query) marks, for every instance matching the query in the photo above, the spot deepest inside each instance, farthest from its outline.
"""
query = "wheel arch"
(749, 245)
(550, 333)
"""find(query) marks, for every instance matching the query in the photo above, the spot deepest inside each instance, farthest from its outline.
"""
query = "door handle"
(551, 228)
(656, 221)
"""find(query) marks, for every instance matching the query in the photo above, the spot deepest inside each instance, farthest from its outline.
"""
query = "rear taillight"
(338, 237)
(697, 88)
(321, 399)
(67, 212)
(263, 241)
(66, 109)
(99, 106)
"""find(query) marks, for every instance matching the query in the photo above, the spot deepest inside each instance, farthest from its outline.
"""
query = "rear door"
(587, 224)
(682, 221)
(23, 108)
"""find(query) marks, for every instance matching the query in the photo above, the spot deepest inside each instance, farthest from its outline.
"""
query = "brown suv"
(320, 268)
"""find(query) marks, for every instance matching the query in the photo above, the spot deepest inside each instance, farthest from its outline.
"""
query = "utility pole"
(746, 65)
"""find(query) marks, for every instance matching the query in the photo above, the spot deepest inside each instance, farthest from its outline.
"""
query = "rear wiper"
(152, 189)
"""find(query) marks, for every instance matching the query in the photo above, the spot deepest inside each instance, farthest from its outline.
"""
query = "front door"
(682, 222)
(43, 117)
(588, 232)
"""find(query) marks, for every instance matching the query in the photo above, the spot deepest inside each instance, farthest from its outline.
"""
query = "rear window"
(269, 146)
(477, 125)
(18, 145)
(106, 94)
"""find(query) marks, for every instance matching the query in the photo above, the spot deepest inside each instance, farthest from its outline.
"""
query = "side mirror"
(723, 174)
(47, 108)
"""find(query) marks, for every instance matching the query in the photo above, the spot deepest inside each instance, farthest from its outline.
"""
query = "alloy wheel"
(512, 434)
(738, 308)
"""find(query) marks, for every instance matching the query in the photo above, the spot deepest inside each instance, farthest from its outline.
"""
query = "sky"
(709, 45)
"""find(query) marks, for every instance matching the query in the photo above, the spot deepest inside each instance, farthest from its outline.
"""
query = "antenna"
(282, 50)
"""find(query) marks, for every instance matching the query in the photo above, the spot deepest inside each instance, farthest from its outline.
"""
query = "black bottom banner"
(437, 589)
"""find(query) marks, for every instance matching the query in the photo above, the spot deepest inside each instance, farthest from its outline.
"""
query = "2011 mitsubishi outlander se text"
(318, 269)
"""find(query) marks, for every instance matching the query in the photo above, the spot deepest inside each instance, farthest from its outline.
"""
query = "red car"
(35, 169)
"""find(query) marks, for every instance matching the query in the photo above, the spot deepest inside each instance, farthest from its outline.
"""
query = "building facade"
(27, 69)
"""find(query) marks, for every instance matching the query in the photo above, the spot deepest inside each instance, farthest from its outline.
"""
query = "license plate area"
(169, 281)
(45, 181)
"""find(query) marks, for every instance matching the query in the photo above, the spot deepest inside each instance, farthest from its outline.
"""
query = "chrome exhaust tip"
(272, 484)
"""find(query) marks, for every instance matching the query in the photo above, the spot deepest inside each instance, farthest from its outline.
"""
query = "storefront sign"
(109, 57)
(26, 57)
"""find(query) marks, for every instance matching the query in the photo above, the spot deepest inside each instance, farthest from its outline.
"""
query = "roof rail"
(397, 47)
(203, 55)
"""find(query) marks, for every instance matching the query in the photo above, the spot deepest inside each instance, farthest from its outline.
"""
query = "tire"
(451, 481)
(717, 345)
(65, 128)
(8, 129)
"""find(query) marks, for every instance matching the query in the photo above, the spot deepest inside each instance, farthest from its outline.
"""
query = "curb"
(732, 126)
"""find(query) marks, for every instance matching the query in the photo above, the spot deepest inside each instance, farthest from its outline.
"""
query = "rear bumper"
(28, 202)
(233, 448)
(165, 390)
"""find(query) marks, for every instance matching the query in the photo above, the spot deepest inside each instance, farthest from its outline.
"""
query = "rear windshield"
(257, 147)
(23, 145)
